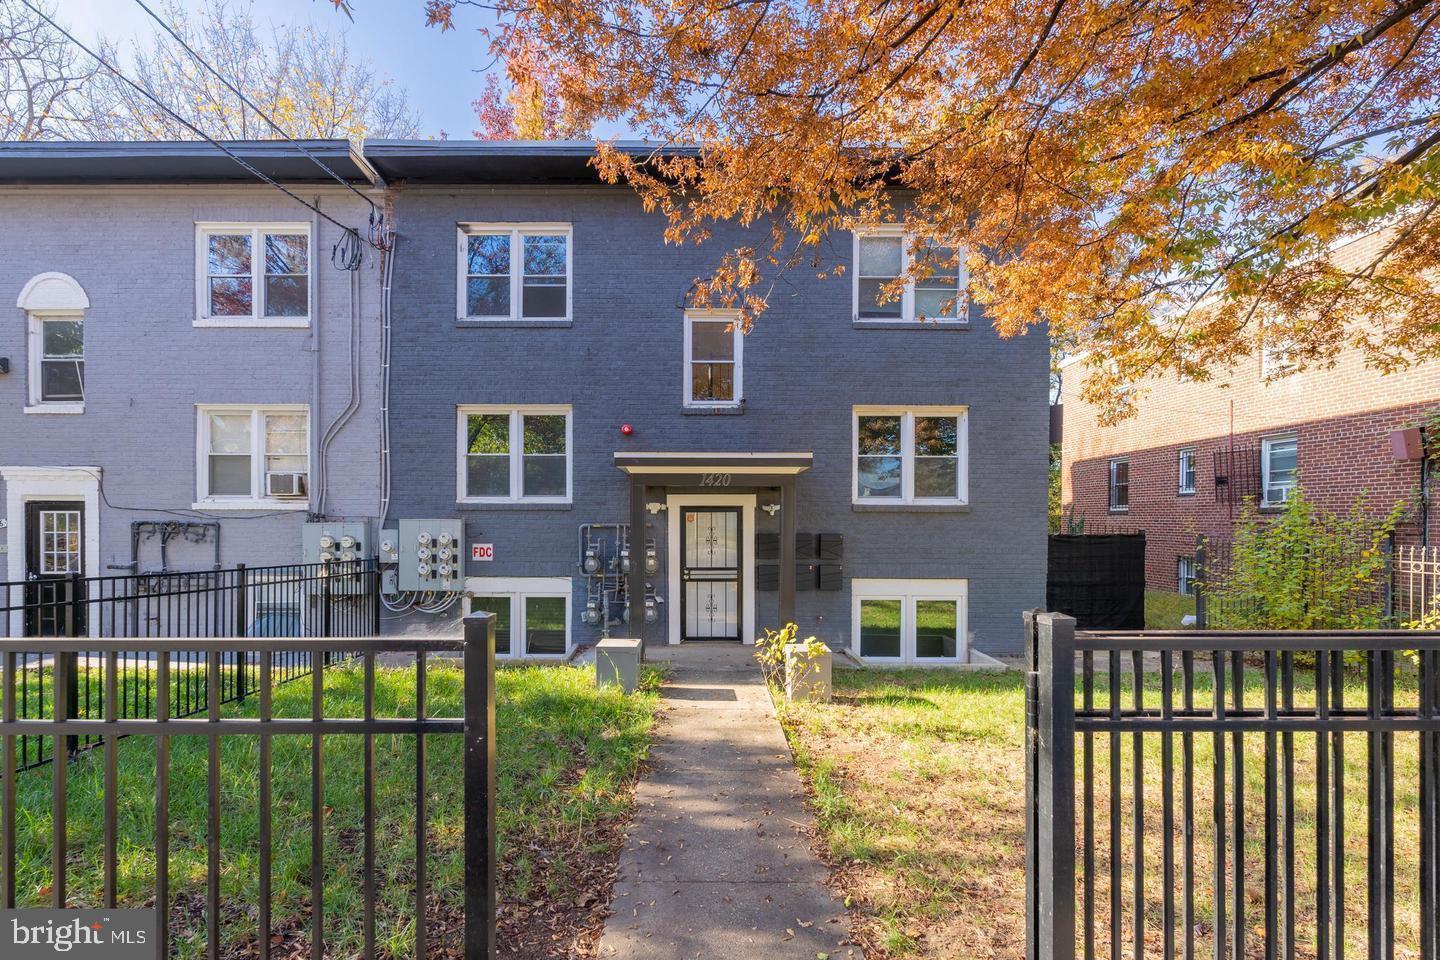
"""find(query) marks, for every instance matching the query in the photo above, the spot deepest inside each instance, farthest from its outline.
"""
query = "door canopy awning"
(701, 464)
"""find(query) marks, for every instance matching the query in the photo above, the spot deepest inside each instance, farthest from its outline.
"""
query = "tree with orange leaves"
(531, 108)
(1158, 182)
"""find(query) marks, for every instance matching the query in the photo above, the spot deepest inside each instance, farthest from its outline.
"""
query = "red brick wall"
(1338, 458)
(1342, 417)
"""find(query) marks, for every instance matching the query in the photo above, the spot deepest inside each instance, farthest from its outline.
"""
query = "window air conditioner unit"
(286, 486)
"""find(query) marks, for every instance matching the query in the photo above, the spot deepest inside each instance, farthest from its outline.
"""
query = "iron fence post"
(1052, 827)
(75, 627)
(1202, 584)
(375, 599)
(242, 604)
(479, 661)
(326, 617)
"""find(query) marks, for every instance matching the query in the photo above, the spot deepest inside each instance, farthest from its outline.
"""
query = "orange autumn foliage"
(1157, 181)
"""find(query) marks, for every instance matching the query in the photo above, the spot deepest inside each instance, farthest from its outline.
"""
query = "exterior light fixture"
(626, 430)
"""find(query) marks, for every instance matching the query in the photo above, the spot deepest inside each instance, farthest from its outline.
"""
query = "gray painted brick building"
(893, 469)
(182, 348)
(124, 377)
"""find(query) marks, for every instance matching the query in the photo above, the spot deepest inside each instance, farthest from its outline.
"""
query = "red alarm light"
(626, 429)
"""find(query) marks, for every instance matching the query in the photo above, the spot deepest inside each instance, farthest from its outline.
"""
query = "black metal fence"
(321, 726)
(1232, 794)
(334, 600)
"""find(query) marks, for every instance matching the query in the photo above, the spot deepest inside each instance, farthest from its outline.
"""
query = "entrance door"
(710, 574)
(54, 552)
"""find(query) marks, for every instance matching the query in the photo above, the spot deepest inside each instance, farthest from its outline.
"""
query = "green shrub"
(1306, 569)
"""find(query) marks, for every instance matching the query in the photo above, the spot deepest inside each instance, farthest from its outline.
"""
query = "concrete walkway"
(717, 863)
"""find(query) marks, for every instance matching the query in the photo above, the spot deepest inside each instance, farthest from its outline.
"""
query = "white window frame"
(257, 231)
(712, 316)
(518, 590)
(516, 231)
(257, 500)
(1266, 443)
(35, 343)
(517, 455)
(907, 298)
(1110, 486)
(1182, 565)
(1180, 488)
(908, 592)
(907, 454)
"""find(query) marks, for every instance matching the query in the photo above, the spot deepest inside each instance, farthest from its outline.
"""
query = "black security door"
(710, 574)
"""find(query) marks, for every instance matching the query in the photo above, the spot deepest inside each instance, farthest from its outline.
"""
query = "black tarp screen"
(1099, 579)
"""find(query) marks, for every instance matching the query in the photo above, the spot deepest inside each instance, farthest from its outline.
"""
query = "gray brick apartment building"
(877, 478)
(515, 403)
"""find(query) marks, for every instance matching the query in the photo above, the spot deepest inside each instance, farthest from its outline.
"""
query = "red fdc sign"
(482, 551)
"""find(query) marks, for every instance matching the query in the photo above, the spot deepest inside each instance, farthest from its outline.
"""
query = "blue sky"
(440, 70)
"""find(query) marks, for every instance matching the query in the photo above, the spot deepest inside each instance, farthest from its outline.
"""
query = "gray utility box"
(345, 546)
(617, 663)
(430, 556)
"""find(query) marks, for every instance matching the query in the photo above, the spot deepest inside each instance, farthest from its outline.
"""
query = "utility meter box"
(430, 555)
(345, 545)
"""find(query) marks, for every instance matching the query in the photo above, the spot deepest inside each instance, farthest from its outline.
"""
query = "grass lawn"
(918, 780)
(1164, 610)
(568, 758)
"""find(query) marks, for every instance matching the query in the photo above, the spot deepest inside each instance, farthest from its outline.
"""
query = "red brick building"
(1196, 451)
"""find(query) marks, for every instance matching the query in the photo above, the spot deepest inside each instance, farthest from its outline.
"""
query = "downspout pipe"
(317, 459)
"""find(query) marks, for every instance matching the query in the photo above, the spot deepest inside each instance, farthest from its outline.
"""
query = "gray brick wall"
(133, 250)
(805, 367)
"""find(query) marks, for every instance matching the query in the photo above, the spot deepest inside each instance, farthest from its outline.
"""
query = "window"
(59, 367)
(910, 456)
(1119, 486)
(514, 272)
(713, 346)
(514, 454)
(54, 305)
(59, 546)
(253, 274)
(883, 254)
(1278, 459)
(910, 621)
(1187, 472)
(254, 456)
(1185, 575)
(532, 614)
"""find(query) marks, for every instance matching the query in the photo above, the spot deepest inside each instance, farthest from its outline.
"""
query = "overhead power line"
(377, 219)
(347, 248)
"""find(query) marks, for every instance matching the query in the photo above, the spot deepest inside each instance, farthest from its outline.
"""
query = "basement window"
(909, 621)
(532, 614)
